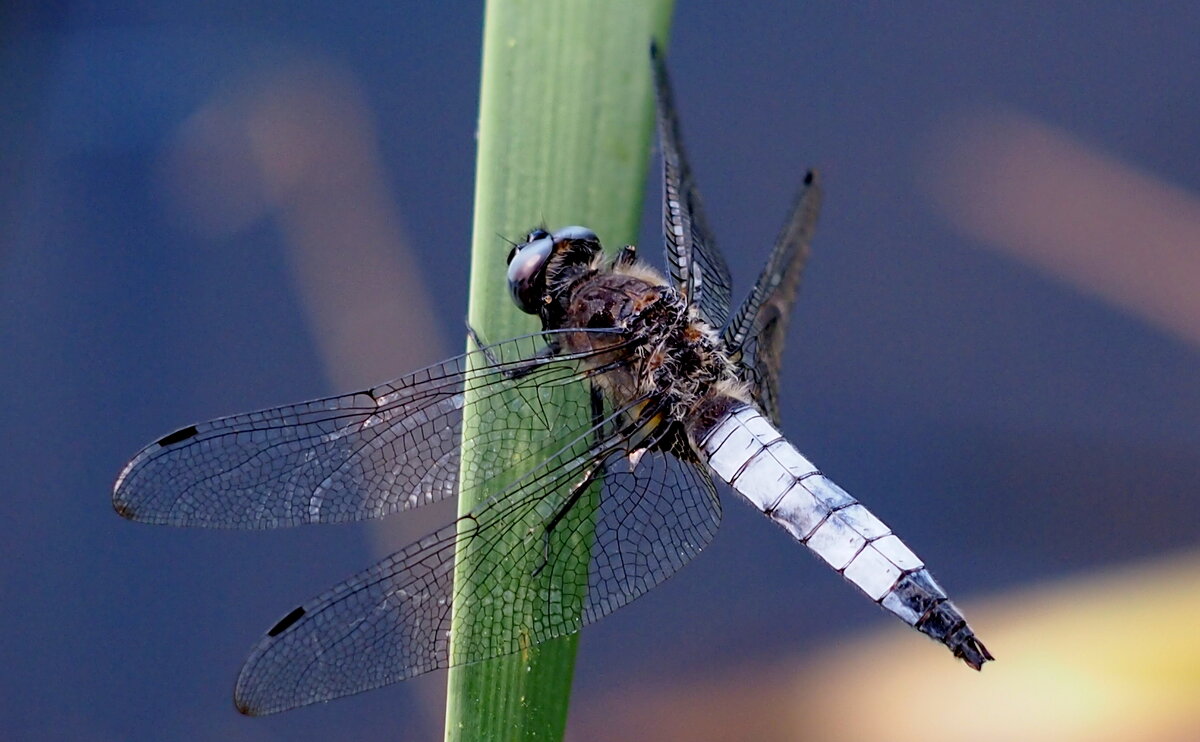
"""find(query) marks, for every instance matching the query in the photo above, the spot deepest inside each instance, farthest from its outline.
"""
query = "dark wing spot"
(286, 622)
(179, 435)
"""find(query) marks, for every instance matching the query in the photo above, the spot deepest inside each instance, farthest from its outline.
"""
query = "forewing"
(759, 326)
(693, 259)
(354, 456)
(520, 585)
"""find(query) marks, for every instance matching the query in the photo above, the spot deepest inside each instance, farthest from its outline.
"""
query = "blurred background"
(207, 208)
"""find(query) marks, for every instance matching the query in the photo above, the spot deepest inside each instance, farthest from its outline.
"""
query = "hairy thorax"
(677, 356)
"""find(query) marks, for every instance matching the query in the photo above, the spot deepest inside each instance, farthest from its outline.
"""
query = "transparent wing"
(520, 583)
(355, 456)
(693, 259)
(759, 326)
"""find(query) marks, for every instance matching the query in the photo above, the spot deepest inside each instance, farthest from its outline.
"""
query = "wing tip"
(244, 708)
(248, 698)
(125, 505)
(124, 508)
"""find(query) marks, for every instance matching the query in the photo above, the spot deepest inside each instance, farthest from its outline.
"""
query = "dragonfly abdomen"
(746, 451)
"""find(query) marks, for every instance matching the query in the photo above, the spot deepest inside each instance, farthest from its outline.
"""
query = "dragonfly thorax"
(678, 357)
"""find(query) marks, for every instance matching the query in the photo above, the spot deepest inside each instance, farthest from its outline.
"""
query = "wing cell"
(519, 583)
(354, 456)
(759, 326)
(695, 263)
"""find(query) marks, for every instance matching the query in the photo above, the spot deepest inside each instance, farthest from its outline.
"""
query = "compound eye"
(526, 279)
(576, 234)
(511, 253)
(537, 234)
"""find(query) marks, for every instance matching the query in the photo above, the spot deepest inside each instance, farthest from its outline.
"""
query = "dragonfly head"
(543, 259)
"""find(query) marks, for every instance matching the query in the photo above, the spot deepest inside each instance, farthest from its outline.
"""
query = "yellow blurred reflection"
(1115, 657)
(1103, 658)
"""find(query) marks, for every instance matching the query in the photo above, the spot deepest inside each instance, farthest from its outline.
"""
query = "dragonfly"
(592, 447)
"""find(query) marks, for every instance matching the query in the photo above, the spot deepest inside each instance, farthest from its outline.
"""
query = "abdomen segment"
(745, 450)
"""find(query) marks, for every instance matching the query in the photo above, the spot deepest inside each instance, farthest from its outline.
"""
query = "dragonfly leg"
(577, 491)
(589, 478)
(627, 256)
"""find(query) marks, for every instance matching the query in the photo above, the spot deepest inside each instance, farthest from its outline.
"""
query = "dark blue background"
(1008, 425)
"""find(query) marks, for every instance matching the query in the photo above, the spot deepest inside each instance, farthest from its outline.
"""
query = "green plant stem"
(564, 137)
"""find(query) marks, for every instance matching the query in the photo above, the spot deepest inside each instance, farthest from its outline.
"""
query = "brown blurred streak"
(742, 705)
(299, 144)
(315, 147)
(1037, 193)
